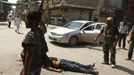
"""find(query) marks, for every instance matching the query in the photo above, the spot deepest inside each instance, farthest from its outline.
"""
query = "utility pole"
(129, 8)
(46, 11)
(1, 7)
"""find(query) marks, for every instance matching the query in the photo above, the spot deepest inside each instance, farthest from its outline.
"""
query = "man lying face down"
(62, 64)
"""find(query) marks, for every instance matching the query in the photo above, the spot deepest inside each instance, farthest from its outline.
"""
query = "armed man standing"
(34, 46)
(110, 40)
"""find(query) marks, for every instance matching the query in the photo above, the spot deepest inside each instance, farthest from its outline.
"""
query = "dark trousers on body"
(122, 40)
(130, 53)
(9, 24)
(106, 49)
(76, 67)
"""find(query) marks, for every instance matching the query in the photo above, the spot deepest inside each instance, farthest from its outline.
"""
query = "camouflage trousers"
(109, 49)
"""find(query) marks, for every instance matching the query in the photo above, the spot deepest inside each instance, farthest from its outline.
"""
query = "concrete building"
(63, 11)
(128, 8)
(115, 8)
(1, 7)
(24, 6)
(107, 8)
(5, 8)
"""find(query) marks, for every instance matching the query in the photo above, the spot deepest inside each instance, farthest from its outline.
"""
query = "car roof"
(99, 23)
(82, 21)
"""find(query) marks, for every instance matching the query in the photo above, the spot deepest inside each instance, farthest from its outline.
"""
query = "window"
(86, 25)
(56, 1)
(98, 26)
(74, 25)
(91, 28)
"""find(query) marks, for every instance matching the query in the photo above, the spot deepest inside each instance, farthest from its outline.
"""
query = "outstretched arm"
(42, 24)
(98, 35)
(54, 69)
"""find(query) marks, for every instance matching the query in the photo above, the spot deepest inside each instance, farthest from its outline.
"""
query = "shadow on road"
(2, 24)
(80, 45)
(125, 69)
(122, 49)
(67, 46)
(97, 49)
(20, 33)
(133, 61)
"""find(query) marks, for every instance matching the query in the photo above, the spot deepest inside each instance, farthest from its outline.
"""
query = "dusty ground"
(10, 48)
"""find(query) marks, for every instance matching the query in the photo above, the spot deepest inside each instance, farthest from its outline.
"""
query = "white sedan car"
(77, 31)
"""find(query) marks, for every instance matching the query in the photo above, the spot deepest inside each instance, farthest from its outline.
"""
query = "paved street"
(10, 49)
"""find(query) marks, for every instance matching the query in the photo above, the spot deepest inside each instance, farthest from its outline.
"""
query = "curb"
(3, 23)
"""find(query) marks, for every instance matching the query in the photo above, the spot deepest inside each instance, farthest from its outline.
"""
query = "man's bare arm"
(98, 35)
(28, 60)
(54, 69)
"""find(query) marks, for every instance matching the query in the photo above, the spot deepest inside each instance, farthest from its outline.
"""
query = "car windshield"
(73, 25)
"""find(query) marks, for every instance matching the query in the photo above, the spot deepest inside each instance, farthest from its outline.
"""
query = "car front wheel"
(73, 41)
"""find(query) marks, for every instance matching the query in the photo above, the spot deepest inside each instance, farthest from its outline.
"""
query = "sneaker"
(92, 66)
(16, 31)
(107, 63)
(19, 33)
(96, 72)
(113, 66)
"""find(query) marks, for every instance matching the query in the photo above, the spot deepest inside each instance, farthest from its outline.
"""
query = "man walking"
(131, 41)
(17, 23)
(9, 21)
(123, 32)
(110, 40)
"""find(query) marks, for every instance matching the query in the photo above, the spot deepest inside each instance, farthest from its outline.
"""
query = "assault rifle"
(42, 24)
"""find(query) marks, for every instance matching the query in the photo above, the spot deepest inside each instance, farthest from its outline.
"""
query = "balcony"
(85, 4)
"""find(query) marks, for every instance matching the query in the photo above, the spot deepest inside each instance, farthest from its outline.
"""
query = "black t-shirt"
(35, 38)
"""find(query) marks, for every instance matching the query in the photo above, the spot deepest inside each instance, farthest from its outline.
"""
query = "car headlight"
(52, 33)
(59, 34)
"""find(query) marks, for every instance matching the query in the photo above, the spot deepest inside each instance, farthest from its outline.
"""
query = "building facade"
(128, 8)
(1, 7)
(117, 9)
(63, 11)
(5, 8)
